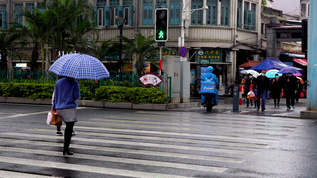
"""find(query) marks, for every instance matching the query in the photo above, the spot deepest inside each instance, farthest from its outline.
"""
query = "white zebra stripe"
(155, 145)
(191, 156)
(120, 160)
(84, 168)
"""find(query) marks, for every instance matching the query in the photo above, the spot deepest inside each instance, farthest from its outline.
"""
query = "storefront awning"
(249, 64)
(302, 62)
(294, 55)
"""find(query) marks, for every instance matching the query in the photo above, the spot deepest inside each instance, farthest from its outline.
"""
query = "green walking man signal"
(161, 35)
(161, 24)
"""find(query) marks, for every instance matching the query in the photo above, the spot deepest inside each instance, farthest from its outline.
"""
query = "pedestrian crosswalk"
(119, 143)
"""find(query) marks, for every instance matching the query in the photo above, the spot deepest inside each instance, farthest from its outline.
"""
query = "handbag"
(56, 119)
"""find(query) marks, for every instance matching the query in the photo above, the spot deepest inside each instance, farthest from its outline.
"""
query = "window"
(211, 13)
(147, 12)
(128, 12)
(175, 12)
(253, 16)
(247, 16)
(161, 3)
(113, 3)
(3, 15)
(197, 16)
(30, 7)
(225, 12)
(101, 4)
(100, 16)
(113, 12)
(239, 14)
(18, 8)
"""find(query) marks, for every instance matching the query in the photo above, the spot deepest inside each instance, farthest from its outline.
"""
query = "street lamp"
(120, 26)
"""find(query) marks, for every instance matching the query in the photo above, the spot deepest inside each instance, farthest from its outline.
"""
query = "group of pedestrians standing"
(264, 87)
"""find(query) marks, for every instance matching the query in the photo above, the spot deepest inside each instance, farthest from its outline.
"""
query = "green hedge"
(26, 90)
(131, 95)
(104, 93)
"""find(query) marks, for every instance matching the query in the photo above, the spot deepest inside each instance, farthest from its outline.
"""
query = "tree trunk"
(43, 55)
(3, 63)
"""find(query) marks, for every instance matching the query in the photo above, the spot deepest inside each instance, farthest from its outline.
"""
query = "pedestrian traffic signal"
(161, 25)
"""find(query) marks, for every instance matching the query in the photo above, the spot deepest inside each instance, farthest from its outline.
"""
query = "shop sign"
(207, 56)
(21, 65)
(169, 51)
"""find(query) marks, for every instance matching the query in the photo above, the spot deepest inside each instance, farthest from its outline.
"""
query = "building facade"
(220, 33)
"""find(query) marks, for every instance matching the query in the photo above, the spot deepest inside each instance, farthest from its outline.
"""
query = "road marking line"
(83, 168)
(186, 124)
(22, 115)
(155, 145)
(180, 140)
(205, 120)
(29, 114)
(120, 160)
(131, 151)
(180, 134)
(167, 128)
(266, 119)
(11, 174)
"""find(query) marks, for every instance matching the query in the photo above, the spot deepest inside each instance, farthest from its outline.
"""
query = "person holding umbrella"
(290, 89)
(276, 89)
(64, 103)
(79, 66)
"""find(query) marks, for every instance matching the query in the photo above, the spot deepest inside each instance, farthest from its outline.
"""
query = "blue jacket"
(65, 94)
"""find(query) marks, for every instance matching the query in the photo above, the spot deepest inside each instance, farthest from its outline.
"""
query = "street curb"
(100, 104)
(308, 114)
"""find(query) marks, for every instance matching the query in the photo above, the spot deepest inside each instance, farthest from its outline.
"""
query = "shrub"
(133, 95)
(104, 93)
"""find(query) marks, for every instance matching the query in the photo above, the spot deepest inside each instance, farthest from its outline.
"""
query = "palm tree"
(72, 23)
(139, 48)
(8, 39)
(40, 25)
(62, 25)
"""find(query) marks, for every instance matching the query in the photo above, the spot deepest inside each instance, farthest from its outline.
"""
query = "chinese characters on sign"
(207, 56)
(169, 51)
(150, 79)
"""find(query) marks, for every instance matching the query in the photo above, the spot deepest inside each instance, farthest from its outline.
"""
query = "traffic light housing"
(161, 24)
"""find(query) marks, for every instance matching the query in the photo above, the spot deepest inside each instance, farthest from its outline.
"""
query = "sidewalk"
(225, 106)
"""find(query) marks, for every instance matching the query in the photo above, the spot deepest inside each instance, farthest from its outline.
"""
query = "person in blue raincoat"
(209, 75)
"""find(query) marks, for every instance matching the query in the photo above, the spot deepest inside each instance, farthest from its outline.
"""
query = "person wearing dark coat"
(262, 85)
(276, 89)
(290, 89)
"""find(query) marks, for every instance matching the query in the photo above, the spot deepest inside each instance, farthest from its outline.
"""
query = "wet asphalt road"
(177, 143)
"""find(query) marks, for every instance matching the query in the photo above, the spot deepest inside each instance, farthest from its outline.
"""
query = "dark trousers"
(290, 99)
(276, 96)
(68, 134)
(261, 93)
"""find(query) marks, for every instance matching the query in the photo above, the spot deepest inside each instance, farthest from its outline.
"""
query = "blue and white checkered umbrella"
(79, 66)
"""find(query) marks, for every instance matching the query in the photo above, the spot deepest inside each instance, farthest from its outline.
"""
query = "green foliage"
(26, 90)
(133, 95)
(104, 93)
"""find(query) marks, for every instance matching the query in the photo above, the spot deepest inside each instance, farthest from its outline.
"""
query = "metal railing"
(127, 79)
